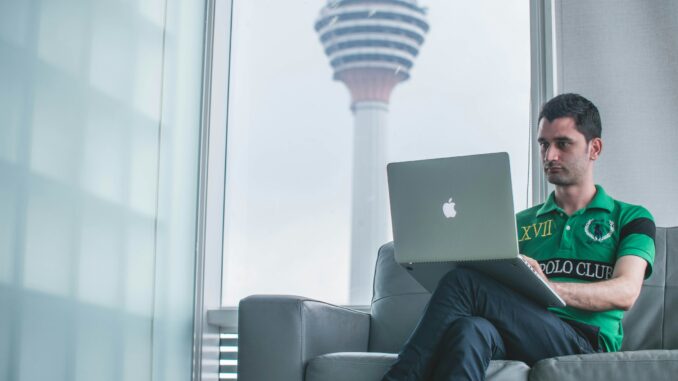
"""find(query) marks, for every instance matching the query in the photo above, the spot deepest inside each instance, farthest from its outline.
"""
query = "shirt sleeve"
(637, 234)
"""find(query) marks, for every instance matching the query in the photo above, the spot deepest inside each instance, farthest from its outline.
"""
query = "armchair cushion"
(372, 366)
(655, 365)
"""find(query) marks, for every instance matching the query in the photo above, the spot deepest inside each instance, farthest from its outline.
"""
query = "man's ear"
(595, 148)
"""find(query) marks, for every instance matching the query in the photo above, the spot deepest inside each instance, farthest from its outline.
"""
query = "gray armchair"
(291, 338)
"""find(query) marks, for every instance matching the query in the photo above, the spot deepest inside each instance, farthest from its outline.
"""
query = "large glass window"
(324, 94)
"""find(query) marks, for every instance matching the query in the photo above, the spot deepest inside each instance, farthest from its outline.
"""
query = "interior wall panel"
(621, 54)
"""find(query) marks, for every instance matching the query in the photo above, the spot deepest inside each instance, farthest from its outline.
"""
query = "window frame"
(211, 189)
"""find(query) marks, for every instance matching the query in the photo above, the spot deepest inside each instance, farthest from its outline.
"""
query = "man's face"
(565, 154)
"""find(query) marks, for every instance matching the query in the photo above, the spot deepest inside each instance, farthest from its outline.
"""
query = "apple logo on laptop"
(448, 209)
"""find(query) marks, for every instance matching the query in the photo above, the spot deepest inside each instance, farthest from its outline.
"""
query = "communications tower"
(371, 45)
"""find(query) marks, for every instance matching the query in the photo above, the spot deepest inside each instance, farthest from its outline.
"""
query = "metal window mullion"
(211, 187)
(542, 86)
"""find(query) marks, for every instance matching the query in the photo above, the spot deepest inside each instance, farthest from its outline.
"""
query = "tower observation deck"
(371, 46)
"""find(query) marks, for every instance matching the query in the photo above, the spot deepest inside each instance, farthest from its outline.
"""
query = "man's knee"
(473, 325)
(474, 331)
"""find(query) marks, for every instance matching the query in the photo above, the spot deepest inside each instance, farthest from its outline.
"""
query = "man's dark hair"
(582, 110)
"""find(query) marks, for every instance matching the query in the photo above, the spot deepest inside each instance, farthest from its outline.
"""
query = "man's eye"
(563, 144)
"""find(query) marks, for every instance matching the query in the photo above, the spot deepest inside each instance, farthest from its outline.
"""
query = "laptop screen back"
(453, 209)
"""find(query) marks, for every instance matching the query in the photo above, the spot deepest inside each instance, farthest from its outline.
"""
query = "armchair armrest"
(278, 335)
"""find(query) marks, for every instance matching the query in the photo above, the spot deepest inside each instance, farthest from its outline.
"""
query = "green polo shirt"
(584, 247)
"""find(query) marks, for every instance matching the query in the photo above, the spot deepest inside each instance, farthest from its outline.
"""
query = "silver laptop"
(458, 211)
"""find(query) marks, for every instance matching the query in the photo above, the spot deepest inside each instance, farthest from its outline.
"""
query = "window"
(306, 199)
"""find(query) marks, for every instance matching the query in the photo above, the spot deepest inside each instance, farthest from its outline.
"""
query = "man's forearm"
(615, 293)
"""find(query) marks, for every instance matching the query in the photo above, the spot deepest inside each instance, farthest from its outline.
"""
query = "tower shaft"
(370, 211)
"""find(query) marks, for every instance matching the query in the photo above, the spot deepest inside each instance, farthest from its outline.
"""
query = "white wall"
(99, 121)
(621, 54)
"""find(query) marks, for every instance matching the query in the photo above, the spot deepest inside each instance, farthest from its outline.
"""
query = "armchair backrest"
(398, 301)
(650, 324)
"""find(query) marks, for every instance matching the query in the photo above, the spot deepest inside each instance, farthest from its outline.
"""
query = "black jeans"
(472, 319)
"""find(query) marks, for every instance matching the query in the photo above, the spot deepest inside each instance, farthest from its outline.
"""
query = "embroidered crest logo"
(599, 230)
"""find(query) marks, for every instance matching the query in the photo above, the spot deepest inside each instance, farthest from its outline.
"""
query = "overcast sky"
(290, 132)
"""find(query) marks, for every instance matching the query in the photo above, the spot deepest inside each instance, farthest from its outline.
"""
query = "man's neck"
(574, 197)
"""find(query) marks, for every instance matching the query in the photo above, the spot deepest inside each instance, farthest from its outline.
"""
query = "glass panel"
(84, 227)
(306, 200)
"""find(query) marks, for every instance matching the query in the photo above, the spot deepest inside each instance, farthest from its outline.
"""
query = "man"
(593, 250)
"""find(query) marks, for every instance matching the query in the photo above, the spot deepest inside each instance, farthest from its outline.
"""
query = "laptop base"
(514, 273)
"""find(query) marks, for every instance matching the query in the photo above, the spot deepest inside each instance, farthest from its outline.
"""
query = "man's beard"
(560, 179)
(564, 177)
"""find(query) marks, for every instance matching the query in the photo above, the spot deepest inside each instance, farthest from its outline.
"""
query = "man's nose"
(551, 154)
